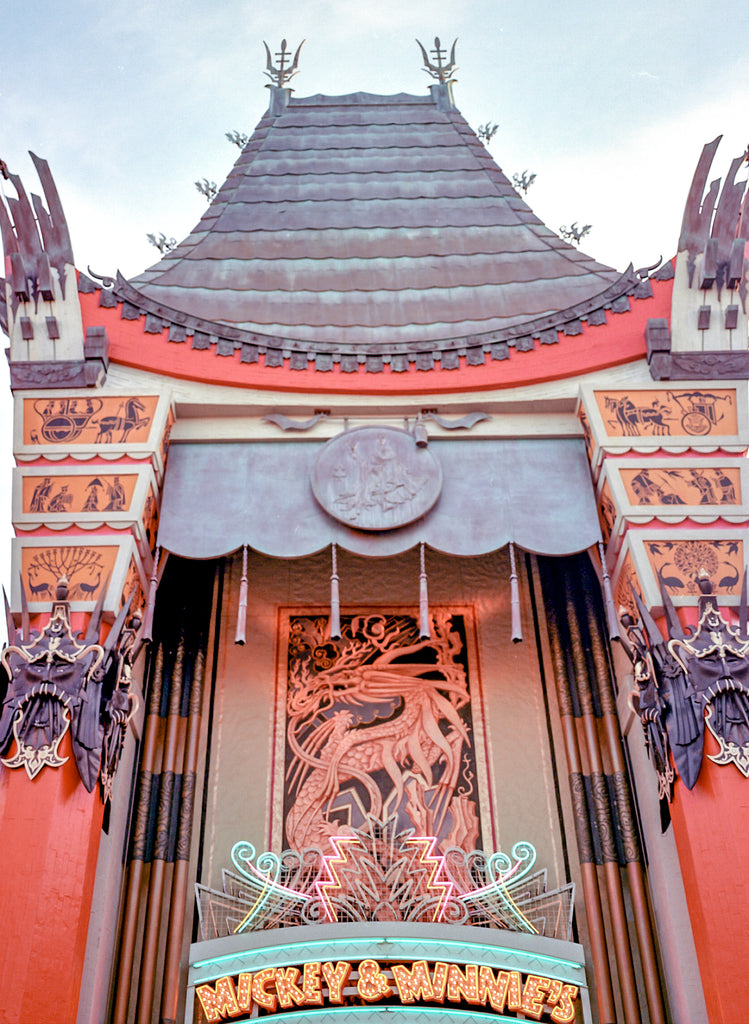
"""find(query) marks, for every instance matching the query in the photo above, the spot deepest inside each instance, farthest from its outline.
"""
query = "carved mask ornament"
(687, 682)
(56, 685)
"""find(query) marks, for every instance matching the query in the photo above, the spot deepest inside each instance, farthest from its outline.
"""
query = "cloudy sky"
(609, 104)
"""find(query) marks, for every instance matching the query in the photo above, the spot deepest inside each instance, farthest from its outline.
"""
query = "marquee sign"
(341, 983)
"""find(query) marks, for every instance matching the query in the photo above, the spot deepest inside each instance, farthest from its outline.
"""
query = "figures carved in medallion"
(376, 478)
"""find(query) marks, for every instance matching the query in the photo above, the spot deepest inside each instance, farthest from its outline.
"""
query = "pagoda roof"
(372, 228)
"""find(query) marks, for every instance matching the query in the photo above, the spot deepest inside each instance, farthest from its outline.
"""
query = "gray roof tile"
(360, 221)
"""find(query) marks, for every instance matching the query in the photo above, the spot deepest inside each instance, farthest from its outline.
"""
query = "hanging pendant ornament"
(517, 629)
(147, 633)
(335, 598)
(611, 617)
(240, 636)
(425, 631)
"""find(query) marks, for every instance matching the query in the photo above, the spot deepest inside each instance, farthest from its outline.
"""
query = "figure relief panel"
(678, 564)
(109, 419)
(626, 585)
(86, 568)
(381, 722)
(692, 486)
(70, 494)
(668, 413)
(606, 512)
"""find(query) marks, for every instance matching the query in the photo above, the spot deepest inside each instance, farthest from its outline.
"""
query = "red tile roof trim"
(141, 340)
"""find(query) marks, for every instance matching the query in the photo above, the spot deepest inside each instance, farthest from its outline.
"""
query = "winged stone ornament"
(57, 685)
(688, 682)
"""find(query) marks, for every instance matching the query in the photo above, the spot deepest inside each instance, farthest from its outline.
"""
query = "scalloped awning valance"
(537, 493)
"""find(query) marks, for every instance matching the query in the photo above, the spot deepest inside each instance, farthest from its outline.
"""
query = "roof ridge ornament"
(444, 73)
(285, 71)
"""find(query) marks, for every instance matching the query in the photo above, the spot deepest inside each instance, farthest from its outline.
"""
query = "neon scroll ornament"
(378, 873)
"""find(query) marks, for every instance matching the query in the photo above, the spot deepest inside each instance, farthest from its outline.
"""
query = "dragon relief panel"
(379, 723)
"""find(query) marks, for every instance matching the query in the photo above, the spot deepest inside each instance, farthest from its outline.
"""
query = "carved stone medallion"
(376, 478)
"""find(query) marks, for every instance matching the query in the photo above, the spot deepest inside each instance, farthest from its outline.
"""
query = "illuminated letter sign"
(370, 981)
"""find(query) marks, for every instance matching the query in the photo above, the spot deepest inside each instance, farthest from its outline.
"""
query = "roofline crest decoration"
(285, 70)
(444, 73)
(374, 356)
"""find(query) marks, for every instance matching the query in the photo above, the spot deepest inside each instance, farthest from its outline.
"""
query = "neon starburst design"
(396, 873)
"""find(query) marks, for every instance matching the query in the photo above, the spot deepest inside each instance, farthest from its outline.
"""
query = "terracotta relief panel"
(627, 580)
(86, 567)
(151, 519)
(109, 419)
(678, 564)
(379, 722)
(71, 494)
(606, 512)
(164, 446)
(694, 485)
(134, 585)
(662, 413)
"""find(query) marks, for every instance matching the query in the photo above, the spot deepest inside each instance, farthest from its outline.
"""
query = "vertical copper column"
(170, 993)
(625, 966)
(161, 847)
(625, 811)
(591, 894)
(140, 837)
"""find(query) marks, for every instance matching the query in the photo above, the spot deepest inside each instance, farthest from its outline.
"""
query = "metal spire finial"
(443, 72)
(285, 71)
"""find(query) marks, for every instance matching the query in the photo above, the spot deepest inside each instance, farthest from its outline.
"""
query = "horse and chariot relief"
(656, 413)
(108, 420)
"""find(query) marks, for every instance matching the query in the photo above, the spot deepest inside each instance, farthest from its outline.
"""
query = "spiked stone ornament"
(688, 682)
(56, 684)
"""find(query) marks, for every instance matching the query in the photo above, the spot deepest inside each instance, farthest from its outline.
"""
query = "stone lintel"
(69, 373)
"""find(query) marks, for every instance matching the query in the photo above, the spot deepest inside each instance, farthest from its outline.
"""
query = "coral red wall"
(711, 828)
(50, 828)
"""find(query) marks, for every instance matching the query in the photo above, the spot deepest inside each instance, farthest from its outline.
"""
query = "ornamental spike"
(92, 633)
(284, 71)
(443, 72)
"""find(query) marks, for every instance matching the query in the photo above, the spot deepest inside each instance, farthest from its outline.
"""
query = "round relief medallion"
(376, 478)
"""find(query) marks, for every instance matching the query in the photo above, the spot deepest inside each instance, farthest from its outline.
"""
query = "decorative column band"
(140, 825)
(602, 793)
(165, 800)
(591, 891)
(579, 794)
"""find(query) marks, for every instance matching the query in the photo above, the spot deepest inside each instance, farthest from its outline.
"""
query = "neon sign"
(275, 989)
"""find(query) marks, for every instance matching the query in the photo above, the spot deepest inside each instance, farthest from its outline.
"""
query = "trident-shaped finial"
(443, 72)
(285, 70)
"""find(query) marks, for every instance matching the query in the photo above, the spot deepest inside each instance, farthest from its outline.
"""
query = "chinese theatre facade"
(378, 637)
